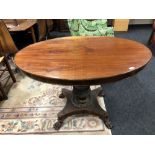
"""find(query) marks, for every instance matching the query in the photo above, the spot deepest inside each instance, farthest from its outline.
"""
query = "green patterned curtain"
(83, 27)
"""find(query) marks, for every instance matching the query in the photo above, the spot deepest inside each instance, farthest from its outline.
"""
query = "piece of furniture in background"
(38, 28)
(42, 32)
(49, 25)
(17, 25)
(22, 25)
(121, 24)
(61, 25)
(8, 47)
(44, 26)
(152, 36)
(6, 40)
(94, 27)
(5, 74)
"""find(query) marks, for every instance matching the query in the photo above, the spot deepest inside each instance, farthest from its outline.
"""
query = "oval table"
(81, 62)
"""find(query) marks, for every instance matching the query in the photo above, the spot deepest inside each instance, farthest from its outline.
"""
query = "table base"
(81, 101)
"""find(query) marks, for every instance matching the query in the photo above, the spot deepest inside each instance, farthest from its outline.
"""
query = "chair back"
(6, 40)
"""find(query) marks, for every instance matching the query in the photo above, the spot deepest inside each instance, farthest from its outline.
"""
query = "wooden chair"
(4, 78)
(6, 40)
(21, 25)
(7, 44)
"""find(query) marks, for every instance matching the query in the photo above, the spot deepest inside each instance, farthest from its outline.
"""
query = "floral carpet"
(32, 108)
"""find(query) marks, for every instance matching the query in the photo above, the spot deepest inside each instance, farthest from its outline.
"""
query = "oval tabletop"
(80, 60)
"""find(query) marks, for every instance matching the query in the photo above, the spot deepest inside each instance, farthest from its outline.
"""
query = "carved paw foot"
(57, 125)
(61, 95)
(108, 124)
(106, 121)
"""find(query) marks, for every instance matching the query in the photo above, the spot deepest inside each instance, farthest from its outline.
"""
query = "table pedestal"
(81, 101)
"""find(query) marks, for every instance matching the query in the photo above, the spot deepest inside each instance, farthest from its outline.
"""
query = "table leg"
(33, 34)
(9, 69)
(81, 101)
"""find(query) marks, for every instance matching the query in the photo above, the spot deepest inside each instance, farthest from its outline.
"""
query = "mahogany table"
(81, 62)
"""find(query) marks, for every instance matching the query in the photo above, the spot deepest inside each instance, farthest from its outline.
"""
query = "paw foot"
(108, 124)
(61, 95)
(57, 125)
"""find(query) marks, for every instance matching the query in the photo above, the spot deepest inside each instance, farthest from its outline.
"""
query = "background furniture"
(121, 24)
(42, 30)
(4, 77)
(21, 25)
(6, 40)
(83, 27)
(62, 25)
(152, 36)
(8, 47)
(38, 28)
(44, 27)
(49, 24)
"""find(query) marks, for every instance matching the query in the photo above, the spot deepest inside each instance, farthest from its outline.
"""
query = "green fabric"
(83, 27)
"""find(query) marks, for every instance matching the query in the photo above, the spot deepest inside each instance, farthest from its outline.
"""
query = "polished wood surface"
(78, 60)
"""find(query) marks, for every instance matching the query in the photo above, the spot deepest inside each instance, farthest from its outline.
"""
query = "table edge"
(94, 81)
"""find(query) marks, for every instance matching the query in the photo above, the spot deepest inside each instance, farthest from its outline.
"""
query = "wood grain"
(82, 60)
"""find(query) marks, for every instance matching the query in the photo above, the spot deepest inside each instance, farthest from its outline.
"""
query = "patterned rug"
(32, 108)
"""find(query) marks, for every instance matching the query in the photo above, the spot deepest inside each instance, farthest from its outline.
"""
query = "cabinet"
(120, 24)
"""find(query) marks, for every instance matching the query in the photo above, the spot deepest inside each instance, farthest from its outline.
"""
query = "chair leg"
(149, 41)
(33, 34)
(9, 69)
(3, 92)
